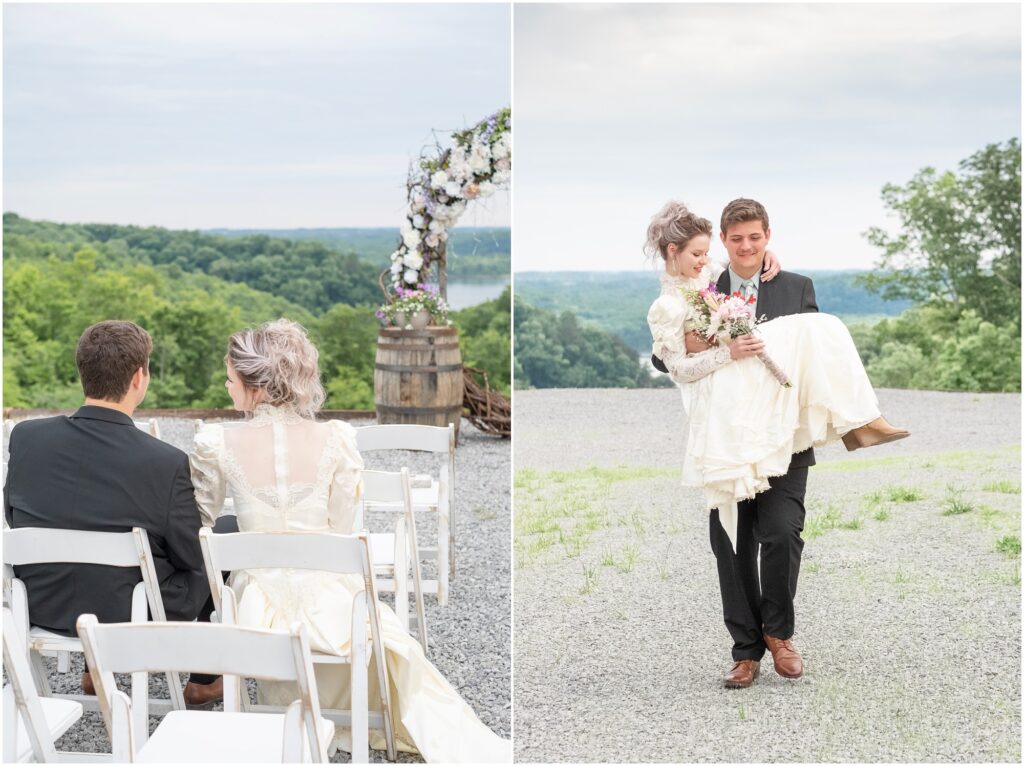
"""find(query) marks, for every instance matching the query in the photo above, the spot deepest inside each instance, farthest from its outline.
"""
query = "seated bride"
(288, 472)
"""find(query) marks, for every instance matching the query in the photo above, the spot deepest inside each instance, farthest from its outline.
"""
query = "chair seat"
(423, 498)
(195, 736)
(40, 639)
(60, 716)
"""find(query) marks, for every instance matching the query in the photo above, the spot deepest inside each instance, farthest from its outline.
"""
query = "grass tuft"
(899, 494)
(1009, 545)
(1005, 487)
(954, 504)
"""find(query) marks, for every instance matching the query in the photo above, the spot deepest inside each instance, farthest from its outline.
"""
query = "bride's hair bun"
(674, 224)
(278, 360)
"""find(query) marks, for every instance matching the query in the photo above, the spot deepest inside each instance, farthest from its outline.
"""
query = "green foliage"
(957, 256)
(58, 279)
(557, 351)
(485, 333)
(1009, 545)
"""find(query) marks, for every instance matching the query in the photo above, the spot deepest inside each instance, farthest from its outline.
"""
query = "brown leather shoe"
(878, 431)
(743, 674)
(204, 696)
(87, 685)
(788, 663)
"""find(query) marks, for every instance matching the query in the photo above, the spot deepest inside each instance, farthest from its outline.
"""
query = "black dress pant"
(757, 600)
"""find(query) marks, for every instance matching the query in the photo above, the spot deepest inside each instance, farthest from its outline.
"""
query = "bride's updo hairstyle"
(279, 365)
(675, 225)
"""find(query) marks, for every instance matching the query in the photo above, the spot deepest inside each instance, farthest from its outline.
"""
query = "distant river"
(465, 294)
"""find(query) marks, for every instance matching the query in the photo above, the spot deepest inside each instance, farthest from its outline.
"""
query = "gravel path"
(908, 613)
(470, 639)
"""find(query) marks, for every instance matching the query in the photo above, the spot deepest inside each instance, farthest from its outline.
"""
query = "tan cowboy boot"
(743, 674)
(878, 431)
(788, 663)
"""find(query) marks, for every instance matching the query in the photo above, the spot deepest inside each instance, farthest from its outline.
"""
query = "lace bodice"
(668, 318)
(284, 472)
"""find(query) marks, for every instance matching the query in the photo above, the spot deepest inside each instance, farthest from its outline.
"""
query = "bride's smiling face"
(688, 260)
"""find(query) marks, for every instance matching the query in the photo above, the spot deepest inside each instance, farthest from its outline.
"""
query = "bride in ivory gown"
(288, 472)
(744, 427)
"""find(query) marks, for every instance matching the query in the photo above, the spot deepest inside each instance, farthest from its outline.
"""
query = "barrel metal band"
(418, 368)
(417, 346)
(392, 410)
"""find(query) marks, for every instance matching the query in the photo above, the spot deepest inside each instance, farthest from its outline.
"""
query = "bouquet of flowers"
(411, 300)
(726, 317)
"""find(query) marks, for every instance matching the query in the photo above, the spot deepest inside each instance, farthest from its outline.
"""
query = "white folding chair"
(300, 735)
(438, 498)
(327, 552)
(393, 552)
(31, 725)
(151, 427)
(36, 545)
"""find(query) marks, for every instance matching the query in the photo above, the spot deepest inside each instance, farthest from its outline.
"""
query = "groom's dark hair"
(108, 355)
(742, 210)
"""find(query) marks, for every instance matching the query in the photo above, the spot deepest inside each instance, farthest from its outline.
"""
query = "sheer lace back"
(284, 471)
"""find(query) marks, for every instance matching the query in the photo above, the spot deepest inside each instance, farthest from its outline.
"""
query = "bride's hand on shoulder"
(771, 266)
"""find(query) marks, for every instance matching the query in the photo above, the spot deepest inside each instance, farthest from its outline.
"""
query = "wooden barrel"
(418, 377)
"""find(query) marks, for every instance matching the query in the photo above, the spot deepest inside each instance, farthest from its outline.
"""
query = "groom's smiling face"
(746, 242)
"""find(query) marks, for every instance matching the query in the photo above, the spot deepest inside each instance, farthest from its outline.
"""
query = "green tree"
(959, 240)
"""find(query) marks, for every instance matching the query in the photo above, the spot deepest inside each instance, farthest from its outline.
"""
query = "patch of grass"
(954, 503)
(743, 713)
(675, 529)
(608, 560)
(1009, 545)
(902, 577)
(639, 523)
(882, 514)
(818, 524)
(629, 559)
(484, 514)
(960, 459)
(663, 573)
(589, 580)
(1005, 487)
(812, 567)
(900, 494)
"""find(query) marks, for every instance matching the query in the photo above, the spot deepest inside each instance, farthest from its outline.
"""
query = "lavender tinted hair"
(278, 359)
(675, 225)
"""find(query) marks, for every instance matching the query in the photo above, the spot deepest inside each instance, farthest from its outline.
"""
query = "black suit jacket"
(788, 293)
(96, 471)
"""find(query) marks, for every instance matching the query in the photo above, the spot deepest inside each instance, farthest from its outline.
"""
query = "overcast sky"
(808, 108)
(196, 116)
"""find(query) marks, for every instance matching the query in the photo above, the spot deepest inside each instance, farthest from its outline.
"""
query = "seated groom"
(96, 471)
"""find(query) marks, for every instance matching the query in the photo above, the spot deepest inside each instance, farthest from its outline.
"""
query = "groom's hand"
(695, 343)
(744, 346)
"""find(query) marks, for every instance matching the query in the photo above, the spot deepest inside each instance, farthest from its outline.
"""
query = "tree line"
(58, 279)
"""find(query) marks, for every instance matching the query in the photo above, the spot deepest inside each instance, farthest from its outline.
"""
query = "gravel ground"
(470, 639)
(908, 612)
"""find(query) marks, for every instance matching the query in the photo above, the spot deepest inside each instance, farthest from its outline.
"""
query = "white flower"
(414, 260)
(452, 188)
(501, 177)
(397, 255)
(487, 188)
(479, 163)
(417, 221)
(439, 179)
(412, 276)
(502, 147)
(436, 226)
(432, 240)
(460, 170)
(411, 238)
(396, 268)
(503, 164)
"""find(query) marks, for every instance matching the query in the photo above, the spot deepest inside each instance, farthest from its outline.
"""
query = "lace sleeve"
(207, 474)
(346, 484)
(667, 319)
(687, 369)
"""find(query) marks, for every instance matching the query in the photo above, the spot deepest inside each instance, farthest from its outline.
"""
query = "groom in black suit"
(758, 602)
(96, 471)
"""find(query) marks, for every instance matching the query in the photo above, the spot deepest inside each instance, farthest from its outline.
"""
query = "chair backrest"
(199, 647)
(151, 427)
(26, 698)
(38, 545)
(407, 437)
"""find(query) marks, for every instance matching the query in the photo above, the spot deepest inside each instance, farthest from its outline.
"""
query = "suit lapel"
(723, 283)
(766, 299)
